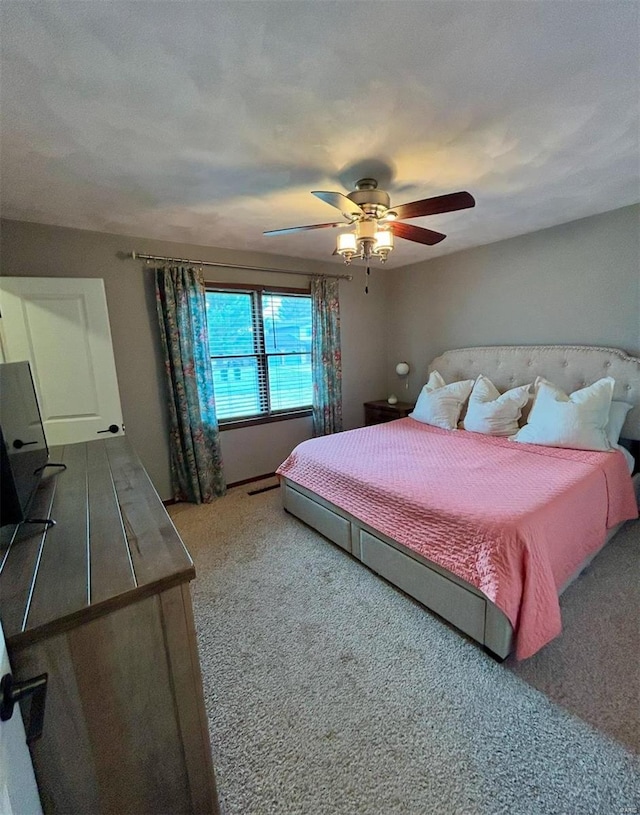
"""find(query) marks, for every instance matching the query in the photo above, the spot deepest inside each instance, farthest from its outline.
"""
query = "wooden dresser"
(380, 411)
(101, 603)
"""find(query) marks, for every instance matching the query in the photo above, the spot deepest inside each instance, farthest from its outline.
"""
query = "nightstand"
(380, 411)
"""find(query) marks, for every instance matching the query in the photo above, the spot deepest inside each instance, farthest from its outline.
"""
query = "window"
(260, 342)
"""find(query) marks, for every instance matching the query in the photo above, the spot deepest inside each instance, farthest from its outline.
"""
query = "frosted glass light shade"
(384, 241)
(402, 368)
(346, 243)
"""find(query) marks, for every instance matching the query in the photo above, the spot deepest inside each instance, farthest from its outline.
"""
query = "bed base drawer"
(328, 523)
(457, 605)
(460, 605)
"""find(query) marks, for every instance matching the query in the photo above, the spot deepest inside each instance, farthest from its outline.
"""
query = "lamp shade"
(402, 368)
(384, 242)
(346, 243)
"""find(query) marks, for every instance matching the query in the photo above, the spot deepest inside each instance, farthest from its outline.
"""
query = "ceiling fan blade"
(434, 206)
(416, 233)
(289, 229)
(339, 201)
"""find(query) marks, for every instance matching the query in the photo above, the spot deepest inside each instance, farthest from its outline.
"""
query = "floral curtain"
(326, 360)
(196, 463)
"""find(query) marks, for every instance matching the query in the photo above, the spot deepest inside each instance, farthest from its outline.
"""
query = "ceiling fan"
(367, 210)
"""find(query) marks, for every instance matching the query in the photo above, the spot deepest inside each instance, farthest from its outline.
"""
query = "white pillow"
(631, 462)
(493, 413)
(617, 417)
(578, 421)
(440, 404)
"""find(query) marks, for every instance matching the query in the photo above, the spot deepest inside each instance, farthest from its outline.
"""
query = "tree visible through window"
(260, 345)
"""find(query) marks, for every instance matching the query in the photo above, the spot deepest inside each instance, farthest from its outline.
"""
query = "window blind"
(260, 345)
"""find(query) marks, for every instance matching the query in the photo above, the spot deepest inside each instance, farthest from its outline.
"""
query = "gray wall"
(578, 283)
(575, 283)
(37, 250)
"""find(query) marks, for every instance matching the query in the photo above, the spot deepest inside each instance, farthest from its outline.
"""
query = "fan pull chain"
(366, 287)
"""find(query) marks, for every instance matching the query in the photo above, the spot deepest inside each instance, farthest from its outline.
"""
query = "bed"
(432, 544)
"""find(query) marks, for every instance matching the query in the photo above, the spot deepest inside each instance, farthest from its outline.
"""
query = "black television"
(23, 445)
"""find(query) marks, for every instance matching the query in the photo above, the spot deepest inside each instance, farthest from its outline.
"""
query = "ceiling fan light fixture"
(365, 242)
(383, 244)
(346, 245)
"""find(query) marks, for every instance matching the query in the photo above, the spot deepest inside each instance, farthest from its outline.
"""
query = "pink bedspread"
(514, 520)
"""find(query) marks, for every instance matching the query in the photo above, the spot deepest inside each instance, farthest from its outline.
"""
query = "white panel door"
(61, 326)
(18, 791)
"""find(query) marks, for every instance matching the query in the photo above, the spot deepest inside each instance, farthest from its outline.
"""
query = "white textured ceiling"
(209, 122)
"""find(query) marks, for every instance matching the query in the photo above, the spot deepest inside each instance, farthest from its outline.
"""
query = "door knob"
(12, 692)
(19, 444)
(113, 428)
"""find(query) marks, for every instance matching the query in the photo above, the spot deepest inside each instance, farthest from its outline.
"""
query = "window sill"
(236, 424)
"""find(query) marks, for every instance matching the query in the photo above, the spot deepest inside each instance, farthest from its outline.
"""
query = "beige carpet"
(331, 693)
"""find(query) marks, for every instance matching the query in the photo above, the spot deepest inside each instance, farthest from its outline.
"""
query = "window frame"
(262, 356)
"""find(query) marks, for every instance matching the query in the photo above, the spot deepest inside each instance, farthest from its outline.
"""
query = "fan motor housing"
(369, 198)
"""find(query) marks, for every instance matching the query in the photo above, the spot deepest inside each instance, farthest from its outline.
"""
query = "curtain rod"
(136, 255)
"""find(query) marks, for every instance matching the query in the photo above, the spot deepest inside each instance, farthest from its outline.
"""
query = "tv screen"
(23, 445)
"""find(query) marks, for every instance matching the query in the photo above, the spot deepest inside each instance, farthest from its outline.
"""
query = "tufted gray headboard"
(568, 366)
